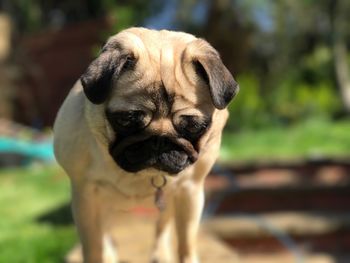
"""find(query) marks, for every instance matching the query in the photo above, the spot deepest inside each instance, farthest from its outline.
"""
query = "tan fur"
(82, 135)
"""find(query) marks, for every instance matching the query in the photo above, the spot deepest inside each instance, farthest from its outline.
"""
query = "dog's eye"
(192, 126)
(126, 119)
(129, 63)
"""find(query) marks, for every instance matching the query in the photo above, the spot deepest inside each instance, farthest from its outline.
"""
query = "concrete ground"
(135, 238)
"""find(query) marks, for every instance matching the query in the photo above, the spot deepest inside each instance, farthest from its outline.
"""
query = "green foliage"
(307, 90)
(297, 101)
(124, 17)
(248, 108)
(130, 13)
(303, 92)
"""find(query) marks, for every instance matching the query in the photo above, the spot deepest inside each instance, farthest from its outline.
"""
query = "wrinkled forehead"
(159, 74)
(153, 42)
(158, 52)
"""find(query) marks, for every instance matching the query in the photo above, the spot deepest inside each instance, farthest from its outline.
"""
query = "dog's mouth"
(171, 155)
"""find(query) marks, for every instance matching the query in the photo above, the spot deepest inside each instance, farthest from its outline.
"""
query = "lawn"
(311, 139)
(28, 194)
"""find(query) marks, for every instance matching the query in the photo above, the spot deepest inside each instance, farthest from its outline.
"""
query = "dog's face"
(160, 90)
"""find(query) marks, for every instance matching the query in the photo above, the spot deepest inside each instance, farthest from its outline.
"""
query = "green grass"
(312, 139)
(27, 194)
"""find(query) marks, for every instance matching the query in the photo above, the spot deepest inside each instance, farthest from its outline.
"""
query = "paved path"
(135, 239)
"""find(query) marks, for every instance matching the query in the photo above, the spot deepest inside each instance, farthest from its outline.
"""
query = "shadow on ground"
(59, 216)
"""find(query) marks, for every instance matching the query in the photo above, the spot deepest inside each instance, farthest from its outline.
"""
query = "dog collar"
(159, 199)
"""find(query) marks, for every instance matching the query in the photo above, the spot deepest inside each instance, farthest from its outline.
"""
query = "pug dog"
(142, 126)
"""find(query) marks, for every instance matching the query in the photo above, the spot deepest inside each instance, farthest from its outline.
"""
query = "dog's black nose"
(159, 144)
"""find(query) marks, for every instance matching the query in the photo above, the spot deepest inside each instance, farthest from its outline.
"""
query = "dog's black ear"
(209, 66)
(97, 79)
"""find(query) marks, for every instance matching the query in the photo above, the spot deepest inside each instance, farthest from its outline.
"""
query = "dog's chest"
(125, 189)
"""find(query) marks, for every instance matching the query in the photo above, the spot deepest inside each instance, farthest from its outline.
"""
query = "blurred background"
(281, 189)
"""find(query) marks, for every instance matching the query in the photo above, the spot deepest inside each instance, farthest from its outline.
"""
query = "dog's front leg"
(189, 201)
(162, 250)
(86, 213)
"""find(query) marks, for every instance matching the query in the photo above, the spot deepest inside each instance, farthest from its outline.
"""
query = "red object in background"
(52, 62)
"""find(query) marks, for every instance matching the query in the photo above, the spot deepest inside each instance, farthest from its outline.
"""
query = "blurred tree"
(315, 26)
(218, 21)
(293, 54)
(339, 11)
(34, 15)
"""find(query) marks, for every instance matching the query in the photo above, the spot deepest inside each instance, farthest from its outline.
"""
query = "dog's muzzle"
(164, 153)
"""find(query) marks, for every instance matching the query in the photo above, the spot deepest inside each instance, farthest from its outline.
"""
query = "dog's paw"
(193, 258)
(161, 261)
(162, 258)
(110, 254)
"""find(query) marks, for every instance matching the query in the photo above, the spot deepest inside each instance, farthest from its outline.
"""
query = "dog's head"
(159, 90)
